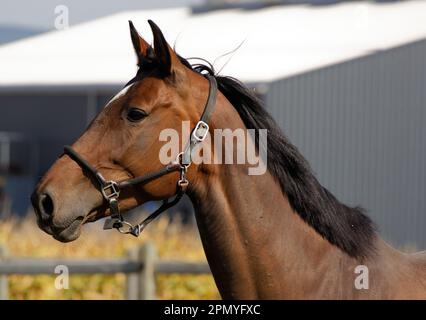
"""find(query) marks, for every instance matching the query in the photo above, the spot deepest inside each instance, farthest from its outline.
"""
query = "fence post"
(132, 279)
(147, 256)
(4, 287)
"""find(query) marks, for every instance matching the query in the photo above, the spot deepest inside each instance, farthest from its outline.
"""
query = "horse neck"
(254, 242)
(256, 245)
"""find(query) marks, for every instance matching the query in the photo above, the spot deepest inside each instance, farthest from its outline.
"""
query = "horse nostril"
(46, 205)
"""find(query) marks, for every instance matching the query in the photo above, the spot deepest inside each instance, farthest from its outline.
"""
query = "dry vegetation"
(172, 241)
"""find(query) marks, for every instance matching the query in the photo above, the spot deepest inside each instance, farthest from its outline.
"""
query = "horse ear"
(169, 61)
(139, 44)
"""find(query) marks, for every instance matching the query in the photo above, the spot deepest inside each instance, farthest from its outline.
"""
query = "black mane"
(347, 228)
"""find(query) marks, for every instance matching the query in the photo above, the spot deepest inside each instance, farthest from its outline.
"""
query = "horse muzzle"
(44, 208)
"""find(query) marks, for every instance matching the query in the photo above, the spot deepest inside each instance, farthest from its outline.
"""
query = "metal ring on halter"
(179, 160)
(128, 224)
(183, 183)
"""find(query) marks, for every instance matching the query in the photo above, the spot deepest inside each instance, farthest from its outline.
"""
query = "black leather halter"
(110, 189)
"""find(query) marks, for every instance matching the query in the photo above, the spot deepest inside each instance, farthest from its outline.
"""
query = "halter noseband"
(110, 189)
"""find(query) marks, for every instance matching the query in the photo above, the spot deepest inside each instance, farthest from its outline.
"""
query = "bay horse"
(279, 235)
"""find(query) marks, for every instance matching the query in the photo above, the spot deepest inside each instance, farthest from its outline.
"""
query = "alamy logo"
(61, 17)
(361, 281)
(62, 280)
(230, 147)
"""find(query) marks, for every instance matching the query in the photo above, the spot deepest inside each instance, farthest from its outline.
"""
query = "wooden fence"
(140, 266)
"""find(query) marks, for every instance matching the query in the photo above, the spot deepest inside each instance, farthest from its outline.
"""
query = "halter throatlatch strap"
(110, 189)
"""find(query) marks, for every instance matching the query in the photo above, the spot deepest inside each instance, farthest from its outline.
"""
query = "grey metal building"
(362, 126)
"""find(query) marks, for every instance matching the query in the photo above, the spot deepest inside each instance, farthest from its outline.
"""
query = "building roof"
(277, 42)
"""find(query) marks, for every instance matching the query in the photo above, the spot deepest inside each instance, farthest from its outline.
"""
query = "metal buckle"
(111, 190)
(204, 127)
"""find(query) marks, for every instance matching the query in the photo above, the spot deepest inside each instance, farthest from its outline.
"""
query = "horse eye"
(135, 115)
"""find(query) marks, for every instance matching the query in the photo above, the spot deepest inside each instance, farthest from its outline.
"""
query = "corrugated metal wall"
(362, 126)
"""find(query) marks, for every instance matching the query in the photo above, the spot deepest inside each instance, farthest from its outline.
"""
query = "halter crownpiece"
(110, 190)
